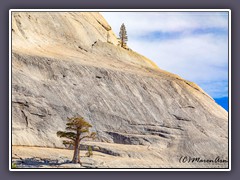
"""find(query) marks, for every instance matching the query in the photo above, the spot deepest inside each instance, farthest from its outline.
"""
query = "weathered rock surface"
(67, 64)
(108, 155)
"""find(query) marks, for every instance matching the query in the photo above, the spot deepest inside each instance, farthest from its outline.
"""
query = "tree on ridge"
(123, 36)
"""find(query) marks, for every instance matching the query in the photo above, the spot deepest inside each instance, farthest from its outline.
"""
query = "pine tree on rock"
(77, 130)
(123, 36)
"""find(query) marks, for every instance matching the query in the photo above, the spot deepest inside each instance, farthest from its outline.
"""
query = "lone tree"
(77, 130)
(123, 36)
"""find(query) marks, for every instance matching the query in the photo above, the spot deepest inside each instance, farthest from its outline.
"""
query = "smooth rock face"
(67, 64)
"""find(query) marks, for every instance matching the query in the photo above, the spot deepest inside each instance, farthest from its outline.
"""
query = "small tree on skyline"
(77, 130)
(123, 36)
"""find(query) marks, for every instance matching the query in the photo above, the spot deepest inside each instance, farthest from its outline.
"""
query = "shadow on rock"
(38, 162)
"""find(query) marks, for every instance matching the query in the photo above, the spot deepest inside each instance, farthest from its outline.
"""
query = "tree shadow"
(38, 162)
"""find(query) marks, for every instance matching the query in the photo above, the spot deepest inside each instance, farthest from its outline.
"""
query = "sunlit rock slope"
(69, 63)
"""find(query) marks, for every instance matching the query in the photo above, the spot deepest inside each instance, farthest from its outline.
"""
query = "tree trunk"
(79, 154)
(76, 155)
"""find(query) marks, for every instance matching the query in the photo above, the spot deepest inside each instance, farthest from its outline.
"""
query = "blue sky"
(193, 45)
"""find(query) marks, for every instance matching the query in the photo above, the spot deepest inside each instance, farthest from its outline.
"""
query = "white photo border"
(120, 10)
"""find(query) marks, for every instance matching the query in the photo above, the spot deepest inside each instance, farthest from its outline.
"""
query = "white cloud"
(191, 57)
(200, 57)
(139, 23)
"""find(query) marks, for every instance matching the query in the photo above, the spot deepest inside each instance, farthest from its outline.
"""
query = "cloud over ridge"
(193, 45)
